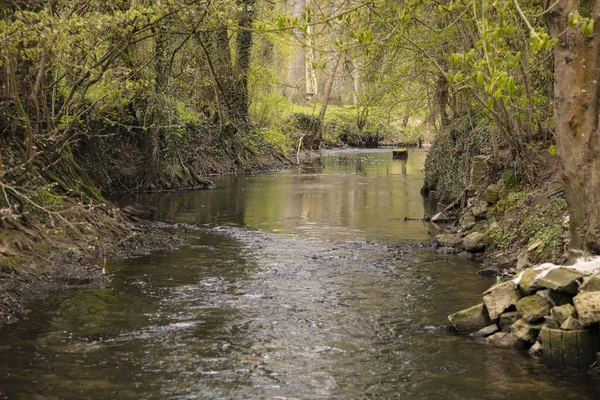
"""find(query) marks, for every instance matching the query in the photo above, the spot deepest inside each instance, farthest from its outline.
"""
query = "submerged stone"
(533, 308)
(503, 340)
(500, 297)
(471, 319)
(587, 305)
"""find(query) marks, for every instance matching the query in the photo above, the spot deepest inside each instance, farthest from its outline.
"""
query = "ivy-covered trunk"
(576, 80)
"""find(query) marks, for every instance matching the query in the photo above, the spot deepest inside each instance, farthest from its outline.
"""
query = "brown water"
(299, 284)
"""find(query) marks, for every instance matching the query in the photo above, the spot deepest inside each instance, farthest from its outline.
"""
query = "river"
(304, 283)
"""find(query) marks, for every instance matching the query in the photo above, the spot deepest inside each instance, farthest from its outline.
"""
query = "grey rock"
(503, 340)
(471, 319)
(487, 331)
(449, 240)
(500, 297)
(467, 221)
(561, 313)
(523, 262)
(561, 280)
(480, 211)
(535, 350)
(492, 194)
(527, 283)
(587, 305)
(571, 324)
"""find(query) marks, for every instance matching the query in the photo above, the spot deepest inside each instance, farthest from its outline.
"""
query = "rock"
(523, 262)
(139, 211)
(500, 297)
(587, 305)
(487, 331)
(470, 320)
(503, 340)
(533, 308)
(475, 242)
(471, 256)
(536, 349)
(561, 313)
(561, 280)
(590, 284)
(478, 172)
(480, 211)
(489, 272)
(525, 331)
(507, 319)
(447, 250)
(449, 240)
(492, 194)
(527, 283)
(568, 349)
(467, 221)
(571, 324)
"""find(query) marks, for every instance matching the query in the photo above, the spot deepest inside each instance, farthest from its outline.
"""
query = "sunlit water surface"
(299, 284)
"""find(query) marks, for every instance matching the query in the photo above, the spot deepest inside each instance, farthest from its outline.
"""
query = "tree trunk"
(576, 77)
(242, 62)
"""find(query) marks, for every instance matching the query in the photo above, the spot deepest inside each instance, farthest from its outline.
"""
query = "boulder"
(533, 308)
(587, 305)
(466, 221)
(571, 324)
(492, 194)
(503, 340)
(478, 172)
(449, 240)
(475, 242)
(485, 332)
(470, 320)
(507, 319)
(525, 331)
(527, 283)
(561, 313)
(523, 262)
(480, 211)
(500, 297)
(590, 284)
(561, 280)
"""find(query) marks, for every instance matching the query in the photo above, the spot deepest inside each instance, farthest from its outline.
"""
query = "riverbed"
(316, 282)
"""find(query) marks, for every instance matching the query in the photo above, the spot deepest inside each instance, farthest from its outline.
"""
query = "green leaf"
(552, 150)
(479, 79)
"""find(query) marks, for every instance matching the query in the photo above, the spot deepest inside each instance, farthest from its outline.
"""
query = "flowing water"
(299, 284)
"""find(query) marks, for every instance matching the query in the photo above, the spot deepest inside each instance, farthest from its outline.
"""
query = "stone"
(471, 319)
(492, 194)
(488, 272)
(527, 283)
(467, 221)
(447, 250)
(536, 349)
(561, 298)
(500, 297)
(480, 211)
(523, 262)
(587, 305)
(561, 313)
(525, 331)
(533, 308)
(485, 332)
(568, 349)
(449, 240)
(503, 340)
(475, 242)
(507, 319)
(561, 280)
(590, 284)
(571, 324)
(478, 172)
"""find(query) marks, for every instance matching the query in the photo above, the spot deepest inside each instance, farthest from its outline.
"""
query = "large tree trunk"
(576, 80)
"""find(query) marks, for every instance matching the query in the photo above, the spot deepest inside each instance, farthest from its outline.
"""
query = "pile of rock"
(552, 310)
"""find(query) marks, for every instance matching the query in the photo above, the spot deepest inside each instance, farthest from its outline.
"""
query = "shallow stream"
(304, 283)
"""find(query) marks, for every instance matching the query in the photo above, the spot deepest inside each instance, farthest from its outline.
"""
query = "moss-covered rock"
(526, 331)
(471, 319)
(561, 280)
(533, 308)
(507, 319)
(475, 242)
(590, 284)
(527, 283)
(587, 305)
